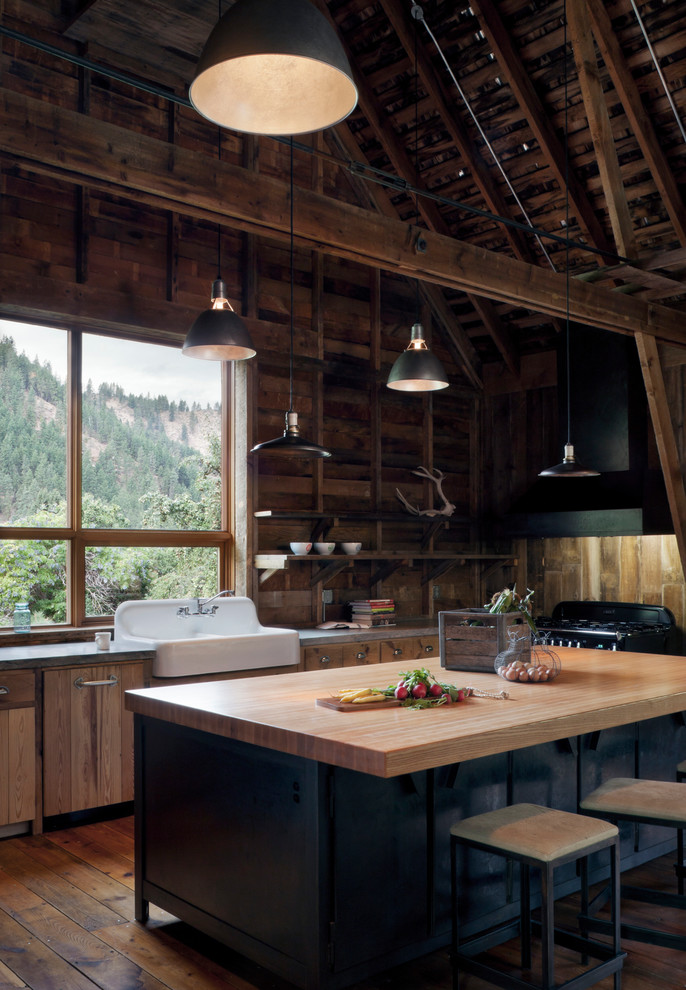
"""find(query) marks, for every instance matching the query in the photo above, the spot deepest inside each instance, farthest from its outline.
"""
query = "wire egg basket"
(527, 662)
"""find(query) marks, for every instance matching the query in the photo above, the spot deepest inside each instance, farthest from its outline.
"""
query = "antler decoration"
(436, 477)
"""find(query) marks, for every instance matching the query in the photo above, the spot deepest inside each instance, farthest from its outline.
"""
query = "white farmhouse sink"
(231, 638)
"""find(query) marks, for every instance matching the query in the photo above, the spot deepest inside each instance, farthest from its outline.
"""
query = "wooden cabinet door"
(87, 736)
(322, 657)
(356, 654)
(17, 765)
(400, 650)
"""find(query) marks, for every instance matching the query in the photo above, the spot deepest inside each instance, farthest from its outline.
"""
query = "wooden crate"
(471, 638)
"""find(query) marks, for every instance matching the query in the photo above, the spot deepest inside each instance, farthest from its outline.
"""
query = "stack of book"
(374, 612)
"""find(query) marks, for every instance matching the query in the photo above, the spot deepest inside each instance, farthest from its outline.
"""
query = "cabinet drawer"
(322, 657)
(17, 687)
(397, 650)
(427, 647)
(355, 654)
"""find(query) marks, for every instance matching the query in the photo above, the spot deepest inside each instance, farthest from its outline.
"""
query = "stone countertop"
(403, 630)
(56, 654)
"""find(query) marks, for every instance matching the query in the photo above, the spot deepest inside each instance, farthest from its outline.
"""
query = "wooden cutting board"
(348, 706)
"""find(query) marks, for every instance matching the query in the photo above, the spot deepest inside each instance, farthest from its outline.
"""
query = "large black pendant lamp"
(291, 443)
(417, 369)
(273, 67)
(219, 334)
(569, 467)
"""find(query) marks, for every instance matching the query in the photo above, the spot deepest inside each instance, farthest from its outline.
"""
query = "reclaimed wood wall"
(520, 432)
(77, 252)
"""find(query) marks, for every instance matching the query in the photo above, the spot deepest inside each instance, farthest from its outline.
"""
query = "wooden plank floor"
(66, 923)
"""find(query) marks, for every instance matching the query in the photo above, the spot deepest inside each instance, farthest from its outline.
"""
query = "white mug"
(102, 640)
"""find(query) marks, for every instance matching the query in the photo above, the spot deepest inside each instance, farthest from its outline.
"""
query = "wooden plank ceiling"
(574, 127)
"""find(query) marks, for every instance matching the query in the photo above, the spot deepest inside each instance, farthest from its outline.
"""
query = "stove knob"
(576, 644)
(614, 646)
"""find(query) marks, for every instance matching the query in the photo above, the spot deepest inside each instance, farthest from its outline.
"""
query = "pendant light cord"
(566, 119)
(290, 399)
(416, 159)
(219, 226)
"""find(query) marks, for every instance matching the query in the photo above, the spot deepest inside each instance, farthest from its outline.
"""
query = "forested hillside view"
(147, 462)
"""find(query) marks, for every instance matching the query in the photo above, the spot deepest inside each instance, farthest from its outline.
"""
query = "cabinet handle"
(360, 656)
(110, 682)
(429, 648)
(4, 690)
(325, 659)
(397, 652)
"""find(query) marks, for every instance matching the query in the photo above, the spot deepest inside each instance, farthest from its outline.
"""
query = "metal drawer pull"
(429, 648)
(4, 690)
(110, 682)
(360, 656)
(397, 652)
(325, 659)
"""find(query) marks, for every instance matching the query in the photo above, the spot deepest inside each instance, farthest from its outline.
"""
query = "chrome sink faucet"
(201, 605)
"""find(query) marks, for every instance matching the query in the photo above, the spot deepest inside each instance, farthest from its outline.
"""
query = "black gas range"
(637, 628)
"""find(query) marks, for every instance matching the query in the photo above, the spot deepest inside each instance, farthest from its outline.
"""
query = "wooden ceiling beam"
(533, 112)
(664, 434)
(460, 137)
(600, 127)
(405, 168)
(378, 198)
(639, 120)
(79, 150)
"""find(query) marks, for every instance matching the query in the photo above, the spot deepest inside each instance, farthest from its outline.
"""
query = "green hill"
(132, 445)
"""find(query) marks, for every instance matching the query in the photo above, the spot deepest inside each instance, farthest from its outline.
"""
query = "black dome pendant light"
(218, 333)
(569, 467)
(273, 67)
(291, 443)
(417, 369)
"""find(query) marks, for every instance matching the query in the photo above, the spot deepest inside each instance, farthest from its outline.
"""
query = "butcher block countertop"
(595, 690)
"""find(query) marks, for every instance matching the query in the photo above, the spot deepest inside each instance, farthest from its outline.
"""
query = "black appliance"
(637, 628)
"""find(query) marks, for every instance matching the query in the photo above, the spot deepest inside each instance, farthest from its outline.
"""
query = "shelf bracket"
(389, 568)
(442, 568)
(322, 527)
(329, 571)
(431, 531)
(269, 563)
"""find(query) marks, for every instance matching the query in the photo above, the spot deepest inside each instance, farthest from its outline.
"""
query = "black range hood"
(611, 432)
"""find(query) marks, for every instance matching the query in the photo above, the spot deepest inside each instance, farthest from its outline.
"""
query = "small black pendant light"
(417, 369)
(291, 443)
(273, 67)
(219, 334)
(569, 467)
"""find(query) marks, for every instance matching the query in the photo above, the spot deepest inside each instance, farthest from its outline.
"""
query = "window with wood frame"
(112, 474)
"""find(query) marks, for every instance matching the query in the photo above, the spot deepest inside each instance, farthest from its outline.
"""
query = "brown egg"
(543, 675)
(523, 674)
(510, 674)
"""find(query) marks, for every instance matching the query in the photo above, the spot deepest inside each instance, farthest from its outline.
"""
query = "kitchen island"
(315, 841)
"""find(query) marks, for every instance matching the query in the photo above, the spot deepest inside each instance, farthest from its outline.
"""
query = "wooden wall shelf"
(390, 560)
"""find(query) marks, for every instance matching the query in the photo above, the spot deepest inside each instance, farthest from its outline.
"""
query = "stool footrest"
(637, 933)
(664, 897)
(613, 964)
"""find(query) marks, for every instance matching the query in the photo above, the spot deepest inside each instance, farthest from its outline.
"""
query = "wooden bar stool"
(543, 838)
(654, 802)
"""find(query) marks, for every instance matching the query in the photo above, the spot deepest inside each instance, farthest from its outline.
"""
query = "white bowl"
(301, 548)
(351, 548)
(324, 548)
